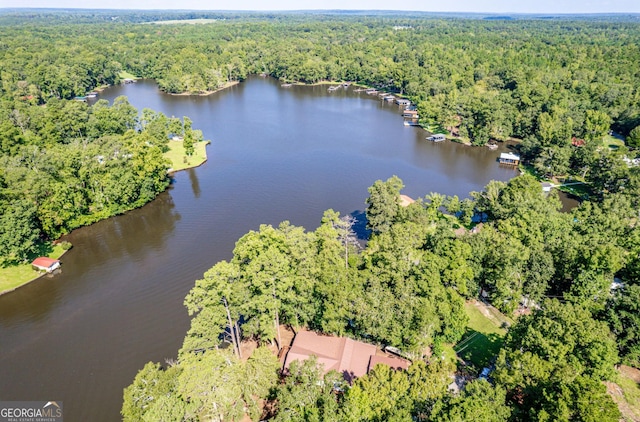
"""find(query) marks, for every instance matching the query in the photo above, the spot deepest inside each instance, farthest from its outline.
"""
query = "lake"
(276, 154)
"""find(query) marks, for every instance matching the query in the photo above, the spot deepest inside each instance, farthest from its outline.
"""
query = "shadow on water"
(195, 183)
(131, 236)
(119, 300)
(32, 301)
(360, 226)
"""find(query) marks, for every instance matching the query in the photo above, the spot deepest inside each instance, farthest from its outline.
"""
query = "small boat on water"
(492, 146)
(333, 88)
(286, 85)
(92, 94)
(438, 137)
(411, 123)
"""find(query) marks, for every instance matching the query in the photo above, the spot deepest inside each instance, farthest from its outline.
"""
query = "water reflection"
(195, 183)
(276, 155)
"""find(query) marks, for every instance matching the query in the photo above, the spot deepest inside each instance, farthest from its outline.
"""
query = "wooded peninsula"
(566, 90)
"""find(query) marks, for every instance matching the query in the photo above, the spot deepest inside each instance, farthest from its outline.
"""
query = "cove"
(276, 154)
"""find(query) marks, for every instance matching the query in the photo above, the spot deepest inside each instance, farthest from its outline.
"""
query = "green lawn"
(484, 335)
(14, 276)
(626, 394)
(436, 128)
(612, 142)
(180, 161)
(127, 75)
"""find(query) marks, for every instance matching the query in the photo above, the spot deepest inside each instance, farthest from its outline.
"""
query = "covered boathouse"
(45, 264)
(509, 158)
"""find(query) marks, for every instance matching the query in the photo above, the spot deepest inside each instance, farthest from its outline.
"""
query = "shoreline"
(39, 276)
(205, 93)
(176, 152)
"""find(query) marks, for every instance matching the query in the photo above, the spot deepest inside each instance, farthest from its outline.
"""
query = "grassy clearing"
(580, 191)
(484, 334)
(449, 354)
(435, 128)
(612, 142)
(180, 161)
(127, 75)
(626, 393)
(14, 276)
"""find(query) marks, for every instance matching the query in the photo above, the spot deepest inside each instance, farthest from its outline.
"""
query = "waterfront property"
(438, 137)
(152, 255)
(410, 113)
(403, 102)
(509, 158)
(349, 357)
(44, 263)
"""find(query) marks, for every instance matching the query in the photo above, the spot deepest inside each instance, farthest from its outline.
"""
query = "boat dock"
(437, 137)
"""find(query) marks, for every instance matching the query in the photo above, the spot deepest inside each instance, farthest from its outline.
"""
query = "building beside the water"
(44, 263)
(349, 357)
(509, 159)
(438, 137)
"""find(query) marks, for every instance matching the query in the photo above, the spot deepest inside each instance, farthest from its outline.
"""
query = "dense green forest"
(556, 86)
(407, 289)
(70, 165)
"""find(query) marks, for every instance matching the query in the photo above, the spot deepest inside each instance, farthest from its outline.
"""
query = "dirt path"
(630, 411)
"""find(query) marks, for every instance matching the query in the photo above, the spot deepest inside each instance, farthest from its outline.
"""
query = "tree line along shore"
(561, 86)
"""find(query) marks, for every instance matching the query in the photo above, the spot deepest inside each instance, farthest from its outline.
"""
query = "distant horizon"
(314, 10)
(507, 7)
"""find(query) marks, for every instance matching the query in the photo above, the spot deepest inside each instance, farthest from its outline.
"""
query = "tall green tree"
(383, 204)
(307, 395)
(152, 387)
(217, 300)
(549, 354)
(19, 231)
(479, 401)
(623, 316)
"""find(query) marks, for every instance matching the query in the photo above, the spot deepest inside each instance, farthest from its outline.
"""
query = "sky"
(481, 6)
